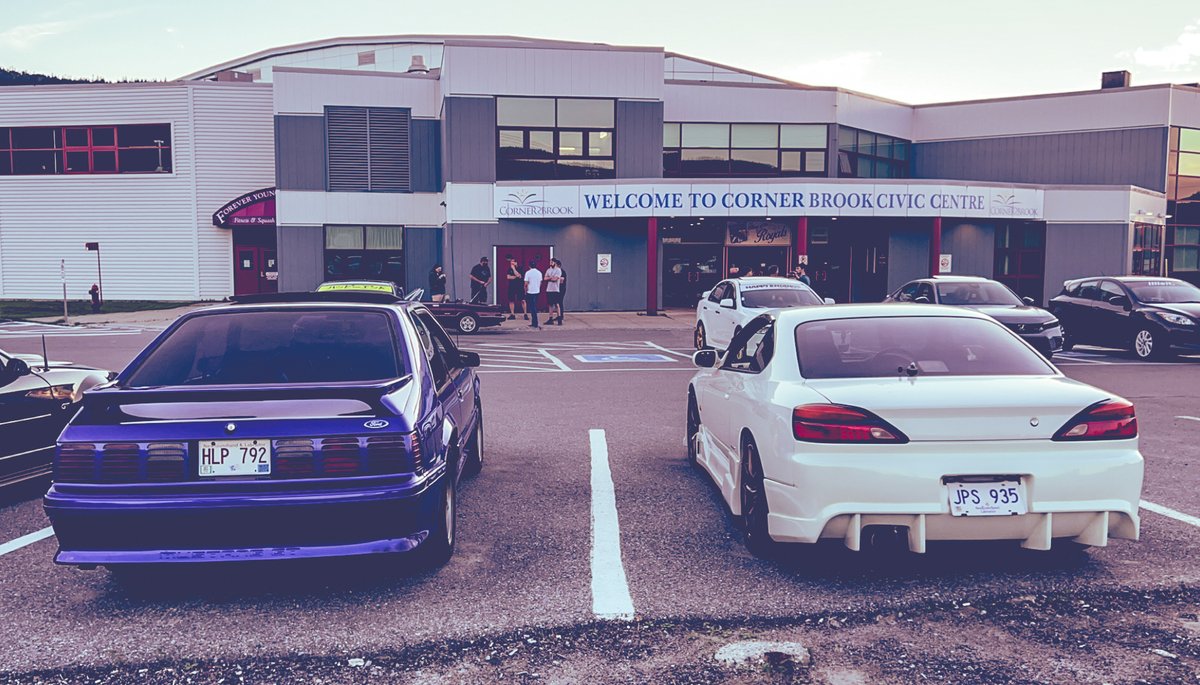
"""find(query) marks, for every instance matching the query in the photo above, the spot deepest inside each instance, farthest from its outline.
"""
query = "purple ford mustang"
(281, 426)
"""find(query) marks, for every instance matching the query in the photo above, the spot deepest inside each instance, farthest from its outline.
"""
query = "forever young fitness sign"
(768, 199)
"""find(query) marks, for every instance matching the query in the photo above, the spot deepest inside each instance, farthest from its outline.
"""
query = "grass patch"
(36, 309)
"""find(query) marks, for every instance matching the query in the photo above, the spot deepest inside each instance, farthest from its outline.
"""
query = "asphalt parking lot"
(532, 595)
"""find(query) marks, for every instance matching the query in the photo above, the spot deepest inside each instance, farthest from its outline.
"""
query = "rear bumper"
(1082, 492)
(126, 525)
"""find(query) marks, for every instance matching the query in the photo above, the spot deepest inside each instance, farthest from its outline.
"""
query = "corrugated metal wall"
(469, 140)
(300, 152)
(908, 255)
(422, 249)
(1114, 157)
(972, 247)
(1080, 250)
(301, 257)
(639, 139)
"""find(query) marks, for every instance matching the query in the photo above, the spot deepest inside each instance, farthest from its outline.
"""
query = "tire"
(693, 429)
(754, 505)
(439, 546)
(1068, 344)
(468, 324)
(1148, 344)
(701, 338)
(473, 464)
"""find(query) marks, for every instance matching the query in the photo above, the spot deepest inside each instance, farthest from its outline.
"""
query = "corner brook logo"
(530, 203)
(1009, 205)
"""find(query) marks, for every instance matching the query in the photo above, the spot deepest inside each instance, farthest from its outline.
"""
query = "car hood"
(1191, 309)
(1013, 313)
(967, 407)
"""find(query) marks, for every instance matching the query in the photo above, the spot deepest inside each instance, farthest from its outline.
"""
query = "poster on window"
(757, 234)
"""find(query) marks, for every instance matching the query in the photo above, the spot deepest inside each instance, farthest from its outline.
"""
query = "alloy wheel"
(467, 324)
(700, 339)
(693, 431)
(1143, 344)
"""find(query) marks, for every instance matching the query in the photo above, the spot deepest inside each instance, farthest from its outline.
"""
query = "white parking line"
(26, 540)
(1171, 513)
(610, 588)
(557, 362)
(1189, 418)
(668, 351)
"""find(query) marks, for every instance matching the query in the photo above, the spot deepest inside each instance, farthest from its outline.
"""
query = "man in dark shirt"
(481, 278)
(437, 283)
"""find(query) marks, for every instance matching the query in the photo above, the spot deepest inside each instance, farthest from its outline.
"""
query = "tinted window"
(1110, 291)
(926, 291)
(718, 293)
(253, 347)
(778, 298)
(1165, 291)
(1090, 290)
(974, 293)
(751, 353)
(907, 293)
(940, 346)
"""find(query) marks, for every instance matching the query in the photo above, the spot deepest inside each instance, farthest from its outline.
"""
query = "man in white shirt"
(533, 288)
(553, 293)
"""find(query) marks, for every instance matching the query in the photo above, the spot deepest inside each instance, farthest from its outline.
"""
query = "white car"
(732, 303)
(823, 422)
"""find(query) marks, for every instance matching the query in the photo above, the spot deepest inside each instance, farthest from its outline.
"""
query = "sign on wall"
(944, 262)
(757, 234)
(768, 200)
(256, 208)
(604, 263)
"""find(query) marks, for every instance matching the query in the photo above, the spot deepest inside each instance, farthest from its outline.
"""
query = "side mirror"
(705, 359)
(16, 368)
(468, 359)
(830, 300)
(704, 295)
(921, 300)
(1028, 300)
(1118, 301)
(727, 303)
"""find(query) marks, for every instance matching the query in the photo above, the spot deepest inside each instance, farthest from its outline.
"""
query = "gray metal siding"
(972, 247)
(301, 257)
(469, 140)
(576, 245)
(639, 139)
(1081, 250)
(347, 143)
(1135, 156)
(388, 132)
(908, 255)
(426, 156)
(422, 249)
(299, 152)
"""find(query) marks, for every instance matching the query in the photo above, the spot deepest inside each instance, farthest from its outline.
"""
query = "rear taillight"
(838, 423)
(75, 462)
(1107, 420)
(339, 456)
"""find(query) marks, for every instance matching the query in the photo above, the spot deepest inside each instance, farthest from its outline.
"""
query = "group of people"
(524, 287)
(799, 274)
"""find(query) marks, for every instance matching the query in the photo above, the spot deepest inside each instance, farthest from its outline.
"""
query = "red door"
(523, 254)
(255, 270)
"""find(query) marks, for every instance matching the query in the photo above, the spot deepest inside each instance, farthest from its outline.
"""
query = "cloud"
(26, 36)
(1182, 54)
(847, 70)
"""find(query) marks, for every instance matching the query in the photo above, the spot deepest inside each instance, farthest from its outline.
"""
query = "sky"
(913, 51)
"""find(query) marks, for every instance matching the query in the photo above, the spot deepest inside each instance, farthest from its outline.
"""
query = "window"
(119, 149)
(1183, 205)
(863, 154)
(1147, 250)
(374, 253)
(434, 350)
(700, 149)
(751, 350)
(1020, 257)
(976, 293)
(555, 138)
(367, 149)
(1109, 292)
(908, 293)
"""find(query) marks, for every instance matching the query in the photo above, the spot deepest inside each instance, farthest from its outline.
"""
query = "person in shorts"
(553, 279)
(516, 288)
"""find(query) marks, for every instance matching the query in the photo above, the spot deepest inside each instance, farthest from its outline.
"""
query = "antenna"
(45, 357)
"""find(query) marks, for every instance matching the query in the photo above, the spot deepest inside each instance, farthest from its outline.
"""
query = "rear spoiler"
(113, 396)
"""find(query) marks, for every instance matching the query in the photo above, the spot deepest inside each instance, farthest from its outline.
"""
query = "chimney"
(418, 65)
(1115, 79)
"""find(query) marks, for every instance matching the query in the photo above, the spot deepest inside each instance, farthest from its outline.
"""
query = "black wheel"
(1148, 344)
(1068, 343)
(701, 339)
(693, 429)
(474, 461)
(439, 546)
(468, 323)
(754, 505)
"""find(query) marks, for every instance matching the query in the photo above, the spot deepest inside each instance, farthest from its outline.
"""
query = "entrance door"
(758, 259)
(688, 271)
(255, 270)
(523, 254)
(868, 266)
(848, 263)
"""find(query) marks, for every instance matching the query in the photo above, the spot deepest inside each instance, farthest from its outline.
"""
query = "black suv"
(1036, 326)
(1153, 317)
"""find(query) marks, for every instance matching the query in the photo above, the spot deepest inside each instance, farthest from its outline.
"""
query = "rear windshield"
(1165, 292)
(976, 293)
(778, 298)
(939, 346)
(253, 347)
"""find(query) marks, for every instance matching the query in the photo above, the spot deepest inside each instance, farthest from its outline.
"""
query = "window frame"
(674, 156)
(61, 151)
(555, 162)
(763, 322)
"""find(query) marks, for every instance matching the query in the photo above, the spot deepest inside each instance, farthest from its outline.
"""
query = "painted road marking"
(622, 358)
(1171, 513)
(668, 351)
(643, 369)
(26, 540)
(610, 587)
(557, 362)
(1189, 418)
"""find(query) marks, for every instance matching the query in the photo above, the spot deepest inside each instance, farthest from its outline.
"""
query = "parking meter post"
(62, 273)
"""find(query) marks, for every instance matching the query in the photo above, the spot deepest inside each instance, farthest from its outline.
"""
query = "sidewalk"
(153, 317)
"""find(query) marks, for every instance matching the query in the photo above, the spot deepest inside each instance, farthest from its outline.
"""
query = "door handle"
(461, 393)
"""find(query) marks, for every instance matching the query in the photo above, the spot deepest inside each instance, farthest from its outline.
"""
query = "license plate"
(996, 498)
(235, 458)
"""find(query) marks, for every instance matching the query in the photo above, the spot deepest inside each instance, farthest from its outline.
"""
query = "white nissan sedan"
(725, 309)
(822, 422)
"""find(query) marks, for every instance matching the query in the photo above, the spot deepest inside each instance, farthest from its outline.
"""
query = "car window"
(976, 293)
(925, 290)
(434, 347)
(253, 347)
(1155, 292)
(908, 292)
(938, 346)
(778, 298)
(717, 293)
(1090, 290)
(752, 349)
(1110, 291)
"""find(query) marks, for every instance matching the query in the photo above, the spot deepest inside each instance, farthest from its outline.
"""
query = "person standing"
(802, 275)
(533, 288)
(516, 287)
(562, 288)
(553, 278)
(481, 278)
(437, 284)
(773, 270)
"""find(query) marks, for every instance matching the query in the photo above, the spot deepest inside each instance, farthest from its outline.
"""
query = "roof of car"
(799, 315)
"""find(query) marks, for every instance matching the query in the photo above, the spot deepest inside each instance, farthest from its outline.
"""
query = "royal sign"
(837, 198)
(256, 208)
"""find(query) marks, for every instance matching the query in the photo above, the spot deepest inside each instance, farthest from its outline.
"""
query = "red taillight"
(837, 423)
(1107, 420)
